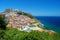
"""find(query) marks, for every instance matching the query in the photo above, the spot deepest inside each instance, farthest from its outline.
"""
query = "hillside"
(21, 20)
(18, 25)
(14, 34)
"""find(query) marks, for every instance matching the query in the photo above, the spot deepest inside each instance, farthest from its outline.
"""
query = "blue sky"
(34, 7)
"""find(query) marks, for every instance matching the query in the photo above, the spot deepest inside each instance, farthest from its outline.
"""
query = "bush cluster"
(3, 22)
(14, 34)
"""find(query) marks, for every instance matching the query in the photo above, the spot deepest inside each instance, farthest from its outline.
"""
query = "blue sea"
(50, 22)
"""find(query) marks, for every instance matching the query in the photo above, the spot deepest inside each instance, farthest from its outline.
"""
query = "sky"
(34, 7)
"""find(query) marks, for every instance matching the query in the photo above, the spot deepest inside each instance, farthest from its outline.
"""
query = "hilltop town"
(18, 25)
(21, 20)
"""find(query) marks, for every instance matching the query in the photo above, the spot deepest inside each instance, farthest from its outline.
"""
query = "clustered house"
(22, 22)
(18, 21)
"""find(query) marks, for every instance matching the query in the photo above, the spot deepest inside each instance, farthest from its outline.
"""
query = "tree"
(2, 22)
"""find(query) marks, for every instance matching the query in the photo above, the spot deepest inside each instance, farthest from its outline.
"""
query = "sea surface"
(50, 22)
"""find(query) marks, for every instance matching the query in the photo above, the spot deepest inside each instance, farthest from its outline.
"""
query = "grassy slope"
(14, 34)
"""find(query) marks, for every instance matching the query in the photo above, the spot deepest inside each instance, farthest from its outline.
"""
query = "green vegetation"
(2, 22)
(14, 34)
(23, 13)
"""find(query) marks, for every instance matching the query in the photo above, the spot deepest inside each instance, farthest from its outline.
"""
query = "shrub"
(2, 22)
(14, 34)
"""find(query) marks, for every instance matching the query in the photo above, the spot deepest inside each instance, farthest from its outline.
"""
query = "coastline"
(48, 22)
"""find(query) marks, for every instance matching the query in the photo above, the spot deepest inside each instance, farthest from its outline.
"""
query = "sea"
(50, 22)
